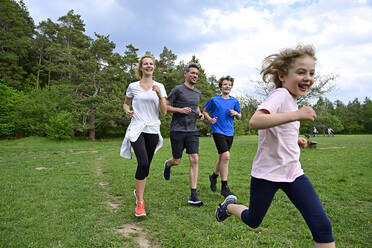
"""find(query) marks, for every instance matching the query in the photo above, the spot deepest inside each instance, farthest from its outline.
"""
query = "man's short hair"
(190, 65)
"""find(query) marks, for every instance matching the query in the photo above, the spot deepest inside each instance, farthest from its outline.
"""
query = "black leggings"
(144, 148)
(301, 193)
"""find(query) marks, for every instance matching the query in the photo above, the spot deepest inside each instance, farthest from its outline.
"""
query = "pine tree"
(16, 31)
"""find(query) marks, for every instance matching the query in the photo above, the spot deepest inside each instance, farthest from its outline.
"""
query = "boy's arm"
(208, 117)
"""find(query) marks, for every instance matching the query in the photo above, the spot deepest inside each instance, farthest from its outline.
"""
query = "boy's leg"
(223, 144)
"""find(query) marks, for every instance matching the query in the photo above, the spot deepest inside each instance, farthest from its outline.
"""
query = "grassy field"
(80, 194)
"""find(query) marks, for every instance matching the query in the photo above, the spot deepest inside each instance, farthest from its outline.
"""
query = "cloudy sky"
(232, 37)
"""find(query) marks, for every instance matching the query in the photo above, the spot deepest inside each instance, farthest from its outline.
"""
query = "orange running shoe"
(140, 209)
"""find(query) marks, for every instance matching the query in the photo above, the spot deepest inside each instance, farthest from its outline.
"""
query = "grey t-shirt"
(182, 96)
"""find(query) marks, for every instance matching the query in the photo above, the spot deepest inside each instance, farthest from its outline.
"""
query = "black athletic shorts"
(182, 140)
(223, 142)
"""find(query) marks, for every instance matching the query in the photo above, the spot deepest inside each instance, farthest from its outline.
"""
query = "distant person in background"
(315, 132)
(330, 132)
(183, 102)
(220, 112)
(147, 99)
(276, 164)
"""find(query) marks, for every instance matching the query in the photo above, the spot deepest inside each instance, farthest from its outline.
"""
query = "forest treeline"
(56, 81)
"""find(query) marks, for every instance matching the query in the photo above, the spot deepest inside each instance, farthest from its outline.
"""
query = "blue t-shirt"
(219, 107)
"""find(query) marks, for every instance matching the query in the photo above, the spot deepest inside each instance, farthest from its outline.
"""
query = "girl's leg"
(324, 245)
(302, 194)
(236, 210)
(261, 195)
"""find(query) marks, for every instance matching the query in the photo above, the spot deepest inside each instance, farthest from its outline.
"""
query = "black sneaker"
(221, 211)
(225, 191)
(167, 171)
(213, 183)
(195, 201)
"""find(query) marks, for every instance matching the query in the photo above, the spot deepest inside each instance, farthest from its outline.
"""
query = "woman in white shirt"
(147, 98)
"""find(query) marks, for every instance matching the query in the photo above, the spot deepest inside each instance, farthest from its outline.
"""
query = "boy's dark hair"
(228, 78)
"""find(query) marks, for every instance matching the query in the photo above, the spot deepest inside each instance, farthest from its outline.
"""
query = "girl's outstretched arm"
(262, 119)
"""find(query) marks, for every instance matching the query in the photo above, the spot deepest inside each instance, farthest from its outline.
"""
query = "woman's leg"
(151, 141)
(139, 148)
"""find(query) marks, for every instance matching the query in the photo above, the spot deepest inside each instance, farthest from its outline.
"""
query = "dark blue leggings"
(301, 193)
(144, 148)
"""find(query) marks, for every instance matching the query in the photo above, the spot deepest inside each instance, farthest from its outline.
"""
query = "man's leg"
(194, 170)
(177, 144)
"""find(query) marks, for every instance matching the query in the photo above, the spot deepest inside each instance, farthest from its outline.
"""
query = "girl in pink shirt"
(276, 164)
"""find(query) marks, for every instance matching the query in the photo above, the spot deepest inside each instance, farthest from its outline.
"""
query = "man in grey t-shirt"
(183, 102)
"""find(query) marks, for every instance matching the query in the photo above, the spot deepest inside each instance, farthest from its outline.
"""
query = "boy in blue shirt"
(220, 112)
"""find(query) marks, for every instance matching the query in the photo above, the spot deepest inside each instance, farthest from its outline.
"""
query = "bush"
(36, 108)
(60, 126)
(8, 101)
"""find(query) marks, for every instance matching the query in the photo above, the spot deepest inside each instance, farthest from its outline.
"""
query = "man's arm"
(184, 110)
(200, 115)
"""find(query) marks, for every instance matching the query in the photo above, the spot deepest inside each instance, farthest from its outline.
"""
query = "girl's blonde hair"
(139, 66)
(279, 64)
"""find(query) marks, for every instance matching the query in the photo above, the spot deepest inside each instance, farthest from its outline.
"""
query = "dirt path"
(129, 230)
(137, 233)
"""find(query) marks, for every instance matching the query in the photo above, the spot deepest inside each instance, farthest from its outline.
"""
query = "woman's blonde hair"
(139, 66)
(278, 64)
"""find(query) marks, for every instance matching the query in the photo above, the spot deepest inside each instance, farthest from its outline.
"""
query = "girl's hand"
(306, 113)
(302, 142)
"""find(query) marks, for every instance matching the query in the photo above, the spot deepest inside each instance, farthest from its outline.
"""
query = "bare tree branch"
(323, 84)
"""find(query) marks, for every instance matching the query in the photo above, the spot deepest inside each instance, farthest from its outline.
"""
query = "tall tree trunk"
(38, 71)
(50, 62)
(69, 59)
(92, 119)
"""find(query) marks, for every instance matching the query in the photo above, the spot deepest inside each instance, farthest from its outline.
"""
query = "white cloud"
(234, 37)
(342, 38)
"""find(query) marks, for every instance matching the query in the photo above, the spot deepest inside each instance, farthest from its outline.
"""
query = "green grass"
(66, 204)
